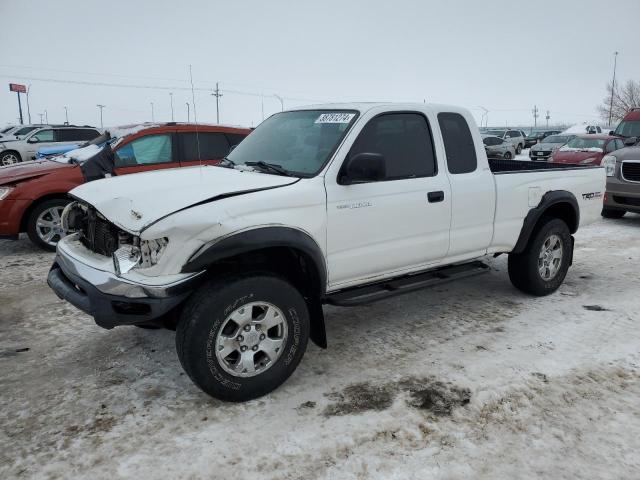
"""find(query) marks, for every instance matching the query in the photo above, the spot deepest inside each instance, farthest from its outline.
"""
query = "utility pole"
(46, 116)
(281, 102)
(217, 94)
(171, 99)
(101, 107)
(66, 115)
(547, 118)
(41, 115)
(152, 116)
(613, 85)
(535, 116)
(188, 113)
(28, 110)
(485, 114)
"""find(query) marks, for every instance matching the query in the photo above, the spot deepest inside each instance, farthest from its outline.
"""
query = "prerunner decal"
(335, 118)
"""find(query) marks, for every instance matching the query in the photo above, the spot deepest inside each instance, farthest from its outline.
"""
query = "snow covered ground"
(471, 379)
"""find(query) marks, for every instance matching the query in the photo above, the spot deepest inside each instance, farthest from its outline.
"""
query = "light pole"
(281, 102)
(547, 118)
(188, 113)
(217, 94)
(66, 115)
(101, 107)
(171, 99)
(28, 110)
(485, 115)
(152, 117)
(613, 85)
(46, 116)
(535, 116)
(41, 115)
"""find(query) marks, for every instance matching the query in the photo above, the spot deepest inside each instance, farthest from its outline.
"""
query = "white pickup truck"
(338, 204)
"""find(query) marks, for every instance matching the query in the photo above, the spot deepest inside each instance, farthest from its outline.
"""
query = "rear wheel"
(518, 149)
(43, 225)
(541, 268)
(10, 158)
(613, 213)
(241, 338)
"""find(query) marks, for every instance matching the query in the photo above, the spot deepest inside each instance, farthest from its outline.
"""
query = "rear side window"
(404, 139)
(458, 143)
(234, 138)
(212, 146)
(76, 134)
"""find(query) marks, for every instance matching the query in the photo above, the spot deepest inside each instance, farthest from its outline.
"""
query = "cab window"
(149, 150)
(458, 143)
(404, 140)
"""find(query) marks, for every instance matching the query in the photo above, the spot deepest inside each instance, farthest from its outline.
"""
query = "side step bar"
(387, 288)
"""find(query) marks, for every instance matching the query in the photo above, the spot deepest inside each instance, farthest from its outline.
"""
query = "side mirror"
(33, 139)
(362, 168)
(630, 141)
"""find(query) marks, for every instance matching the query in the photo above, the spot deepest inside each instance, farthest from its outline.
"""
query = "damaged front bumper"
(112, 300)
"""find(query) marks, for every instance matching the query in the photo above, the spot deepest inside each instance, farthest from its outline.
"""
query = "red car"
(33, 194)
(587, 149)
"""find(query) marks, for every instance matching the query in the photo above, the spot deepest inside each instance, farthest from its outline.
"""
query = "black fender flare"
(549, 199)
(266, 237)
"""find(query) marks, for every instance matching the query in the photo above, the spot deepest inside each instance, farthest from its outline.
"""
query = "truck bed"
(499, 166)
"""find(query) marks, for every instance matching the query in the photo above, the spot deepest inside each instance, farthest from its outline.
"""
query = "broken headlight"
(152, 250)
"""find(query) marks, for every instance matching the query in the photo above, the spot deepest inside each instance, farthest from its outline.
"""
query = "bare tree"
(625, 97)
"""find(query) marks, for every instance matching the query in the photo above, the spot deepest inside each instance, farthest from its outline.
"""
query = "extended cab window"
(458, 143)
(405, 142)
(212, 146)
(147, 150)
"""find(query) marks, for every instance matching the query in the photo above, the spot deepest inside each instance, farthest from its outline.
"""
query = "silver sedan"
(496, 147)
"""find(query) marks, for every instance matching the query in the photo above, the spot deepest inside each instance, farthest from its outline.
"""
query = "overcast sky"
(506, 56)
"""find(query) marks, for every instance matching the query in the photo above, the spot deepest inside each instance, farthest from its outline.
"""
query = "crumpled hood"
(25, 170)
(135, 201)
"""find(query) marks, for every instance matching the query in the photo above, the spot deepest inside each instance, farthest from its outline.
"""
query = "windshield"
(300, 142)
(557, 139)
(629, 128)
(497, 133)
(586, 143)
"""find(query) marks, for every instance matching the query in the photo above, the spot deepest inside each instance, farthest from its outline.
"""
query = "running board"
(396, 286)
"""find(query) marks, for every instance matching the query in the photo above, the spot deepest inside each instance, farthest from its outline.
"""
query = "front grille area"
(635, 202)
(98, 235)
(631, 171)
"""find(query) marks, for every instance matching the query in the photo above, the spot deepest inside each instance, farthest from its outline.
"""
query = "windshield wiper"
(226, 162)
(272, 167)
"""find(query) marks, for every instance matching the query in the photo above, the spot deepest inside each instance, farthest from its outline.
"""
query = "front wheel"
(10, 158)
(241, 338)
(612, 213)
(541, 268)
(507, 155)
(518, 149)
(44, 226)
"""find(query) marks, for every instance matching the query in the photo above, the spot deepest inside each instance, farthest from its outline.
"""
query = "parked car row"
(33, 194)
(537, 137)
(25, 147)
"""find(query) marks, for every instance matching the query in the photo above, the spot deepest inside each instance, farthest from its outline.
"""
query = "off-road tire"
(523, 267)
(204, 315)
(612, 213)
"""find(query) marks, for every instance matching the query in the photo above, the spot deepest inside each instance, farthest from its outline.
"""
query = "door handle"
(435, 197)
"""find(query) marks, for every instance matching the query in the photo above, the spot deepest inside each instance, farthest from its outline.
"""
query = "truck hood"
(134, 202)
(26, 170)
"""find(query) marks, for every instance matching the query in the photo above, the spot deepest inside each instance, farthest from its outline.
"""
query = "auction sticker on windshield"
(335, 118)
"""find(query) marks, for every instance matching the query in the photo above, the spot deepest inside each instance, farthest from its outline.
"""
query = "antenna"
(195, 119)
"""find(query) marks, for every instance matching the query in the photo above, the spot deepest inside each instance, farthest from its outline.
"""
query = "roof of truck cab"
(634, 114)
(365, 106)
